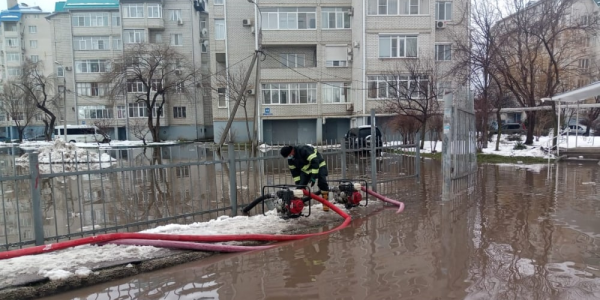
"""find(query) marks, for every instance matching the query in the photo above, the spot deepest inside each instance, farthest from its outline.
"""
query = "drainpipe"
(364, 62)
(228, 133)
(194, 64)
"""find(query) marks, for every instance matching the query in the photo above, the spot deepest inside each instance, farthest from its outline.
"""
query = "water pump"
(288, 200)
(348, 192)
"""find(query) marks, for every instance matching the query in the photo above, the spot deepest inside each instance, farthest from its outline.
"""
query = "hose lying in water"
(103, 238)
(384, 199)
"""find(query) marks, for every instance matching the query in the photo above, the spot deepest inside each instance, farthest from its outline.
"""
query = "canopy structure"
(582, 93)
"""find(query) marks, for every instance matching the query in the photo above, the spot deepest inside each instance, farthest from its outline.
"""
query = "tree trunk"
(499, 122)
(530, 127)
(48, 128)
(422, 132)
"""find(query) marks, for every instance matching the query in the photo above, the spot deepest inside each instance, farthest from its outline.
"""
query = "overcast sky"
(46, 5)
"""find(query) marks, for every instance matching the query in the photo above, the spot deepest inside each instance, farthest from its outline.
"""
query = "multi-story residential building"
(324, 62)
(24, 35)
(88, 35)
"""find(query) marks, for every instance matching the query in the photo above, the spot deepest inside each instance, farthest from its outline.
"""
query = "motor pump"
(348, 193)
(291, 204)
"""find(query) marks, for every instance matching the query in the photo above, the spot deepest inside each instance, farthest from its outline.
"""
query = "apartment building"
(87, 36)
(324, 62)
(24, 35)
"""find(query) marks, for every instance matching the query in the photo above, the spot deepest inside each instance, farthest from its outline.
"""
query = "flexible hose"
(385, 199)
(255, 202)
(182, 238)
(187, 245)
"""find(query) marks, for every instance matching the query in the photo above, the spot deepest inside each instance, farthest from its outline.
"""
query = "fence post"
(35, 184)
(447, 147)
(418, 156)
(232, 179)
(373, 152)
(343, 148)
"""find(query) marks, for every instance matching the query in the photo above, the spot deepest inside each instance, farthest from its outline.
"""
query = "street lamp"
(64, 99)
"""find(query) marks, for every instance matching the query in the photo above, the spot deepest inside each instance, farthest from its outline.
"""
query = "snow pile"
(61, 152)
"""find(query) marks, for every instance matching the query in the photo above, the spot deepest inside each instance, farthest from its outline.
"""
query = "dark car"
(510, 128)
(360, 138)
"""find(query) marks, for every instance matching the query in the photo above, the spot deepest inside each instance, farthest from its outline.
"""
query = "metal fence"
(147, 187)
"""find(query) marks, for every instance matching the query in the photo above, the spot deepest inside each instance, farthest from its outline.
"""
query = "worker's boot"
(325, 195)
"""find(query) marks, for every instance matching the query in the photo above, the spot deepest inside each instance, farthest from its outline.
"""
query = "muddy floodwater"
(523, 233)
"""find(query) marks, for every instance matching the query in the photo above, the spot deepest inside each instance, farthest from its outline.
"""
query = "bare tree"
(234, 80)
(104, 127)
(544, 120)
(538, 48)
(19, 108)
(140, 130)
(435, 127)
(38, 89)
(406, 125)
(411, 89)
(154, 74)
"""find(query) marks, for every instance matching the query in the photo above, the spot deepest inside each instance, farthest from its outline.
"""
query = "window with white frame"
(13, 57)
(397, 87)
(116, 19)
(91, 43)
(91, 89)
(32, 29)
(179, 87)
(34, 58)
(443, 11)
(183, 171)
(95, 112)
(179, 112)
(335, 17)
(219, 2)
(117, 43)
(393, 7)
(10, 26)
(156, 85)
(177, 39)
(92, 66)
(121, 112)
(139, 110)
(336, 55)
(335, 92)
(443, 88)
(133, 36)
(222, 100)
(60, 71)
(134, 10)
(33, 44)
(397, 46)
(12, 42)
(154, 11)
(289, 18)
(174, 14)
(292, 60)
(443, 52)
(584, 63)
(289, 93)
(136, 86)
(219, 29)
(90, 19)
(14, 71)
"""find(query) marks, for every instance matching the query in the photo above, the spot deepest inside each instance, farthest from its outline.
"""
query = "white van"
(79, 133)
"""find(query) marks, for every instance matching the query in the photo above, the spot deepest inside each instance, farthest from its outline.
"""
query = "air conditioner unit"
(356, 44)
(440, 24)
(351, 11)
(247, 22)
(204, 32)
(68, 68)
(349, 106)
(177, 72)
(349, 51)
(180, 22)
(349, 58)
(250, 91)
(221, 90)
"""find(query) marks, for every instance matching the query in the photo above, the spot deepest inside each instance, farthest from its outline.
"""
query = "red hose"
(385, 199)
(184, 238)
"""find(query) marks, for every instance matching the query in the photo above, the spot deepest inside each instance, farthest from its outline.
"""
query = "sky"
(46, 5)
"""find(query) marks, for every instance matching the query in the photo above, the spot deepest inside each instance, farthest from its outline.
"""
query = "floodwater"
(523, 233)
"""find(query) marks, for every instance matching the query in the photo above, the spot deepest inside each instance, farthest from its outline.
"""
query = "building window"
(222, 100)
(138, 110)
(154, 11)
(397, 87)
(135, 86)
(91, 66)
(90, 19)
(12, 42)
(13, 57)
(443, 11)
(14, 71)
(336, 56)
(584, 63)
(397, 46)
(443, 52)
(121, 112)
(133, 36)
(60, 71)
(177, 39)
(393, 7)
(133, 10)
(289, 18)
(34, 58)
(443, 88)
(183, 171)
(219, 29)
(219, 2)
(91, 43)
(116, 19)
(95, 112)
(91, 89)
(179, 112)
(289, 93)
(33, 44)
(293, 60)
(10, 26)
(117, 44)
(335, 18)
(174, 14)
(156, 38)
(335, 92)
(32, 29)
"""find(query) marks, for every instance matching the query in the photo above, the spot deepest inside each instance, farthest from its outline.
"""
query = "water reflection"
(519, 235)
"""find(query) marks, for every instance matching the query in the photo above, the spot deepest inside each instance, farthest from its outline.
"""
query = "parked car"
(510, 128)
(360, 138)
(574, 130)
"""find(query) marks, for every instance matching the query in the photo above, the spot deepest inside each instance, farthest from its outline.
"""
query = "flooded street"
(522, 234)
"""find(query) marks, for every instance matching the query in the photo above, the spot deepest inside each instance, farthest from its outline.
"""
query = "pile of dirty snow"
(68, 153)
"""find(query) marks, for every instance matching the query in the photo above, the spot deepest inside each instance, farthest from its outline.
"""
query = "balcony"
(151, 23)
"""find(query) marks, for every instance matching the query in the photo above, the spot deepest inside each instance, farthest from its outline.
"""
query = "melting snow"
(68, 153)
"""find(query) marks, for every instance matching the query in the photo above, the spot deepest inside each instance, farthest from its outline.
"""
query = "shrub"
(519, 146)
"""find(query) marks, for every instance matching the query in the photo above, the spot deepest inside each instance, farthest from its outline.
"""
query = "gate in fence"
(459, 152)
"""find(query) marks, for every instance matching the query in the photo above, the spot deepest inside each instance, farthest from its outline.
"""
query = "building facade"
(323, 62)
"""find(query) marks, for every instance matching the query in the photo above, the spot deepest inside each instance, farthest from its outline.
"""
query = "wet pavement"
(523, 233)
